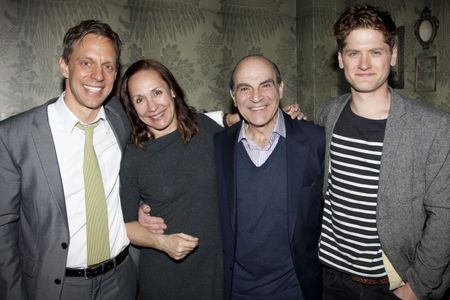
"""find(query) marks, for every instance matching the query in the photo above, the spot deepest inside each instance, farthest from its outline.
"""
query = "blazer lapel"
(118, 121)
(395, 128)
(45, 148)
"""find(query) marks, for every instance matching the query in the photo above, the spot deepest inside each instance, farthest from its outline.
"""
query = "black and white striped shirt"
(349, 240)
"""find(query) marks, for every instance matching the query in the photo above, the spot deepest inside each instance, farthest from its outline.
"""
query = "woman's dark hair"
(185, 115)
(78, 32)
(356, 17)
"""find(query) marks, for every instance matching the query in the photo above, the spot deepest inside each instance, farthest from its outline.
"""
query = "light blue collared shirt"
(257, 154)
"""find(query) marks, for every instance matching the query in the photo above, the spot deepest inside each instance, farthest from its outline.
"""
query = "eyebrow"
(151, 91)
(261, 83)
(268, 81)
(242, 85)
(371, 49)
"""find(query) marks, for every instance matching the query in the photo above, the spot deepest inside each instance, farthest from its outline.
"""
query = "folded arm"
(177, 245)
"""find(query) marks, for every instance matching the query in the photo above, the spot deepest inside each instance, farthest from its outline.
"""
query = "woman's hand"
(177, 245)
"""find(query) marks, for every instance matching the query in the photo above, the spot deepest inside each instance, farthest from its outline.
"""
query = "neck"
(88, 117)
(84, 114)
(260, 135)
(373, 105)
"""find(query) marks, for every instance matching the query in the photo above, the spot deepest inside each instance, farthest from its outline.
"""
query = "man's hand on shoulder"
(154, 224)
(294, 111)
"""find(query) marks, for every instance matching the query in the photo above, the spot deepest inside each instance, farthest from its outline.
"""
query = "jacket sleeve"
(10, 270)
(433, 250)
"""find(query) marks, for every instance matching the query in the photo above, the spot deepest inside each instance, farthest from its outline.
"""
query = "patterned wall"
(319, 77)
(199, 40)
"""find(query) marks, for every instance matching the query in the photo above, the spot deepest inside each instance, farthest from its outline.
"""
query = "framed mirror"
(425, 28)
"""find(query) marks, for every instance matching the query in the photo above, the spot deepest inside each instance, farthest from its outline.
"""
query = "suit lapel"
(118, 122)
(45, 148)
(296, 154)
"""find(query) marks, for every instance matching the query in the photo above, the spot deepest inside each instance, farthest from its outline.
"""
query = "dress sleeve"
(130, 196)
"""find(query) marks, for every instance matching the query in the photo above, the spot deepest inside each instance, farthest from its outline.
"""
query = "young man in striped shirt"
(386, 221)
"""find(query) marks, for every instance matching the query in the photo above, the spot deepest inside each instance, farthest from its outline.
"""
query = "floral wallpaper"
(201, 40)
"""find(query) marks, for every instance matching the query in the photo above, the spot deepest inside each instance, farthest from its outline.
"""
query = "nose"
(151, 105)
(97, 73)
(364, 63)
(256, 96)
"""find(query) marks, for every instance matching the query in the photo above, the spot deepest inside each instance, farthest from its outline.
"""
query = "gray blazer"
(413, 210)
(34, 233)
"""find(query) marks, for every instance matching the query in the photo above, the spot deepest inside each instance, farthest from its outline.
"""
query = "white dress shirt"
(69, 145)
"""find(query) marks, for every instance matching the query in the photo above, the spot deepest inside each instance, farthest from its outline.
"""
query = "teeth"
(93, 89)
(258, 108)
(158, 116)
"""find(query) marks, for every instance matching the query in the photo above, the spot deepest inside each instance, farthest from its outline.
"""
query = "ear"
(233, 97)
(394, 56)
(63, 68)
(172, 93)
(341, 64)
(281, 89)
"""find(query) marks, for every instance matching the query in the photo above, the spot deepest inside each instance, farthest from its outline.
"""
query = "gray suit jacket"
(413, 210)
(34, 234)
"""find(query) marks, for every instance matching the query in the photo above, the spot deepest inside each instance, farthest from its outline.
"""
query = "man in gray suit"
(386, 222)
(44, 186)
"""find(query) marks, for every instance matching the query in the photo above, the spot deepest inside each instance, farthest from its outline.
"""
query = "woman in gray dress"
(169, 165)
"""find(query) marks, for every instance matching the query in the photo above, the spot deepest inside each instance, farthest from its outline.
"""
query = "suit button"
(57, 281)
(64, 245)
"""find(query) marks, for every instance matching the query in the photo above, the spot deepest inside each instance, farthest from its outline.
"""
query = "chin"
(259, 124)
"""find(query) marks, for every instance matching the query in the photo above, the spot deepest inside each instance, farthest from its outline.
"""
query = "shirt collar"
(279, 128)
(67, 119)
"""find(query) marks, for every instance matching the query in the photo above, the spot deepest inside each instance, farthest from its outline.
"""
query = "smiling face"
(89, 75)
(366, 59)
(257, 94)
(153, 101)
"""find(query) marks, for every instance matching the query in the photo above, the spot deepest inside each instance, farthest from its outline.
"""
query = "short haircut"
(370, 17)
(78, 32)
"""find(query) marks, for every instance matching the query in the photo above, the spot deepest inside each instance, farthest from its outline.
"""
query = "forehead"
(253, 69)
(365, 37)
(145, 80)
(95, 44)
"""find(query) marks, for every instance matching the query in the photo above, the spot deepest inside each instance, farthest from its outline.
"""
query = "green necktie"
(94, 193)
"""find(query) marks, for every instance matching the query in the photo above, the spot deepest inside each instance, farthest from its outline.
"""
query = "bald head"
(255, 57)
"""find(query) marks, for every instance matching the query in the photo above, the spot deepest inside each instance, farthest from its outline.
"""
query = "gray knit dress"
(178, 181)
